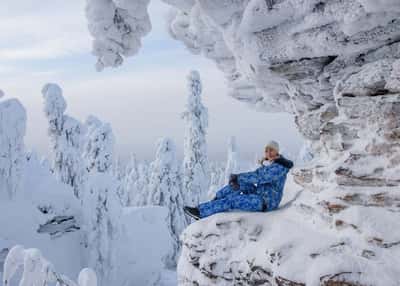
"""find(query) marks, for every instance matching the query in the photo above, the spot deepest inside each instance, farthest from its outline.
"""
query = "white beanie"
(273, 145)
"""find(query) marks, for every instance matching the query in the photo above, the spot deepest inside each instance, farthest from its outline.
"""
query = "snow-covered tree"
(195, 164)
(232, 159)
(165, 190)
(130, 182)
(99, 146)
(119, 175)
(141, 186)
(131, 165)
(66, 134)
(118, 169)
(217, 179)
(101, 204)
(12, 132)
(117, 28)
(37, 270)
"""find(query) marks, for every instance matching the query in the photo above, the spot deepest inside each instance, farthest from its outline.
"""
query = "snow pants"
(229, 199)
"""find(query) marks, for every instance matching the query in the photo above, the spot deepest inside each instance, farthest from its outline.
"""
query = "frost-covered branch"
(117, 27)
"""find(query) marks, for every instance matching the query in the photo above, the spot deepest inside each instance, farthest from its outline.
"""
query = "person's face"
(271, 154)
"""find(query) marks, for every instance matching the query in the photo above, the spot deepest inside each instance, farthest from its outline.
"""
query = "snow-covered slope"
(145, 245)
(42, 211)
(40, 199)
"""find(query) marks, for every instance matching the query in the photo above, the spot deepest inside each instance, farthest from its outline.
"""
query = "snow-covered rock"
(296, 245)
(335, 66)
(262, 46)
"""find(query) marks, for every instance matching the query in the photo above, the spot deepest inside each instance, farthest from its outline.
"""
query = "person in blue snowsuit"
(259, 190)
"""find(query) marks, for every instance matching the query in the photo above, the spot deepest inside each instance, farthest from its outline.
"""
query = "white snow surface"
(144, 245)
(227, 246)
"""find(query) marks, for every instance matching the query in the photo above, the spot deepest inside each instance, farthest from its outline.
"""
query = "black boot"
(193, 212)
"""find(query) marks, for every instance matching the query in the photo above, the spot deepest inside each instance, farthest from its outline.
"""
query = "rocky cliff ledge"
(335, 65)
(353, 244)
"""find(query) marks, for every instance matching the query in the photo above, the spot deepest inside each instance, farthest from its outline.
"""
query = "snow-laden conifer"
(195, 165)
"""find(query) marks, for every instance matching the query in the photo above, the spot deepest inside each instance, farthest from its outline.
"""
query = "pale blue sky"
(143, 99)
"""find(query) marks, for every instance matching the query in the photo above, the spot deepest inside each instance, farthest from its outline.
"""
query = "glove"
(233, 178)
(233, 181)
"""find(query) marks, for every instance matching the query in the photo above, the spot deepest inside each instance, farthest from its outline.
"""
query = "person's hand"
(233, 178)
(233, 181)
(235, 186)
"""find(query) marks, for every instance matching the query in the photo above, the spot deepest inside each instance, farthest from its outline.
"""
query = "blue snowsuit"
(260, 190)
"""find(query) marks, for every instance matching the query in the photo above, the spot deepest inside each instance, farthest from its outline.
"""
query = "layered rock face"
(336, 66)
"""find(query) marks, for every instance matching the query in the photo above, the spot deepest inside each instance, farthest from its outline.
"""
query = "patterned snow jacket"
(269, 181)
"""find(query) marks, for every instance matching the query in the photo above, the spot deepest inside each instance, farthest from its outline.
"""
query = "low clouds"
(45, 29)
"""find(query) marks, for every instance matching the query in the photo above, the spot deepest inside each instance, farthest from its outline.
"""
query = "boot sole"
(186, 211)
